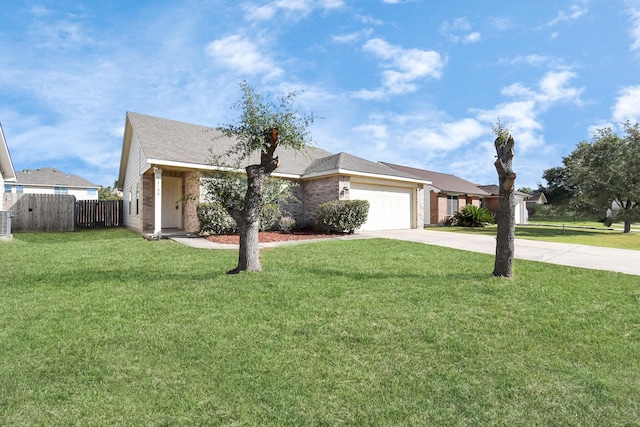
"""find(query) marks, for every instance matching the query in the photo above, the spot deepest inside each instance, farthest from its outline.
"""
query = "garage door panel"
(389, 208)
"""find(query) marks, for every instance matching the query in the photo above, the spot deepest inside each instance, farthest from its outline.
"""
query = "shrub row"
(214, 219)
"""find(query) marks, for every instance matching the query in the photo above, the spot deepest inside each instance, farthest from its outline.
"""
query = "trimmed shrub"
(286, 224)
(343, 216)
(472, 216)
(269, 216)
(214, 219)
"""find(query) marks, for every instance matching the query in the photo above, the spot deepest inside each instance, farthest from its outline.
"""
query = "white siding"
(137, 165)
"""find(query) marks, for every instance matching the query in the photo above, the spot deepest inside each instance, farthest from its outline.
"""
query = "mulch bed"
(272, 236)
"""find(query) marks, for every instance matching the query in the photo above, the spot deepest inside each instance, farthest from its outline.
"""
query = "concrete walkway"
(593, 257)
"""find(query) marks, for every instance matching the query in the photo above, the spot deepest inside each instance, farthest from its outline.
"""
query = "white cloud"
(552, 88)
(471, 38)
(460, 31)
(352, 37)
(243, 56)
(627, 105)
(403, 67)
(291, 8)
(575, 12)
(445, 136)
(635, 28)
(521, 116)
(500, 23)
(533, 60)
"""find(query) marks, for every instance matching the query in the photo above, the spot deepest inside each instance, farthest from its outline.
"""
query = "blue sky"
(413, 82)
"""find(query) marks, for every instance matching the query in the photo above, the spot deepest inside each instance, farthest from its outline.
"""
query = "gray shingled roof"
(51, 177)
(348, 162)
(172, 141)
(442, 181)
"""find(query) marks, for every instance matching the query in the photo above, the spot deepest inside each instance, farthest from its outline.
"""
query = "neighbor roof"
(442, 181)
(51, 177)
(174, 143)
(494, 190)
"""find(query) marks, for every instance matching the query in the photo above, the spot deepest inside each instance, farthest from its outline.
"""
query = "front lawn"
(105, 328)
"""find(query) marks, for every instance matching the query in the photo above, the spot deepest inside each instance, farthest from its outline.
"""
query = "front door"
(171, 202)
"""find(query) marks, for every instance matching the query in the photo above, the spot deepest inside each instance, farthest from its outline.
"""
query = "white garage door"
(389, 208)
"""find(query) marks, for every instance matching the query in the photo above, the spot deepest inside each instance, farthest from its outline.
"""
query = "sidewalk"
(592, 257)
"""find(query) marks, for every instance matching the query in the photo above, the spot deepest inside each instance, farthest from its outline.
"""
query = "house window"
(129, 202)
(19, 189)
(137, 200)
(60, 190)
(7, 188)
(92, 192)
(452, 205)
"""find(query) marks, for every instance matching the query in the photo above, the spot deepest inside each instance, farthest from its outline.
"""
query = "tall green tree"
(557, 191)
(263, 126)
(505, 215)
(605, 174)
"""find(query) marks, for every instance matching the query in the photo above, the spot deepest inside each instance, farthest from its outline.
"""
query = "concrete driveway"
(593, 257)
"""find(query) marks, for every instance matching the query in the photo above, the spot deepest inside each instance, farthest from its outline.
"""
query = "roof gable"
(6, 165)
(442, 181)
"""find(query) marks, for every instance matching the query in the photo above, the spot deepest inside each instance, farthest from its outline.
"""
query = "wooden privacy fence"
(98, 213)
(41, 212)
(49, 212)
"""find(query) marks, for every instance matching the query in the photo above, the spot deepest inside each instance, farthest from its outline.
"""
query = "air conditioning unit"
(5, 225)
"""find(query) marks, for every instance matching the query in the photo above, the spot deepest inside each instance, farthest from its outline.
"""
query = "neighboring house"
(52, 181)
(491, 202)
(447, 193)
(162, 161)
(7, 173)
(535, 199)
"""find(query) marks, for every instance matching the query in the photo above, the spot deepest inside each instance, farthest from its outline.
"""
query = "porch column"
(157, 218)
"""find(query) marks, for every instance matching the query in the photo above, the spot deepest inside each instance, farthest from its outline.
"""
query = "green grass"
(105, 328)
(584, 234)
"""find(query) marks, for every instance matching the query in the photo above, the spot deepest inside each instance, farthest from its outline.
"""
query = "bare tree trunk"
(249, 218)
(505, 216)
(627, 226)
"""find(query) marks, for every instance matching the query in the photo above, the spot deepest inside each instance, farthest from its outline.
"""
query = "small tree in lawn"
(262, 128)
(505, 216)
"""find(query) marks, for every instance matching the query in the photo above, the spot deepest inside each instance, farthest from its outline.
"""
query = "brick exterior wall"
(318, 191)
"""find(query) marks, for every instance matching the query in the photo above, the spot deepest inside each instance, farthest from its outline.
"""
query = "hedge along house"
(446, 194)
(162, 161)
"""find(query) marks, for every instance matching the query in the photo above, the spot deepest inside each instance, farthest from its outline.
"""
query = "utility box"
(5, 225)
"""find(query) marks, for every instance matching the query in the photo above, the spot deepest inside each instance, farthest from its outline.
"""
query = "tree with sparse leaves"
(605, 174)
(263, 126)
(505, 215)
